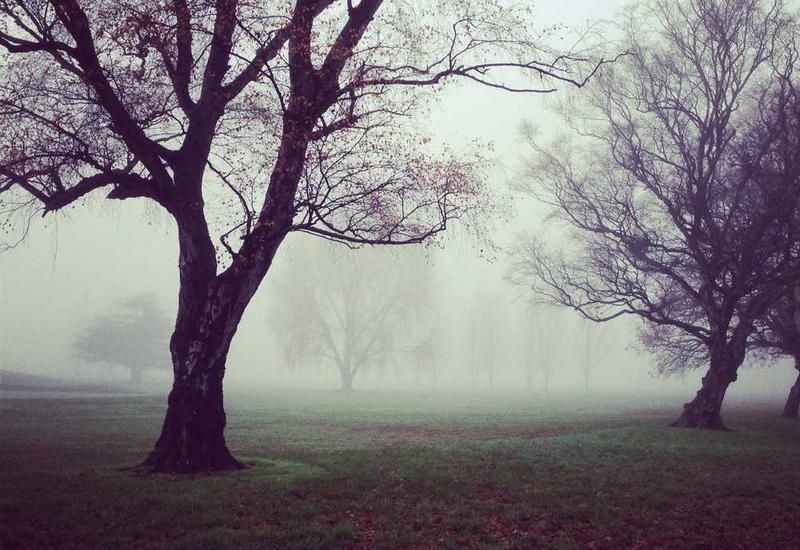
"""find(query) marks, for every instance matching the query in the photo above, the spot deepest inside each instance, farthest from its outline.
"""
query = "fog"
(79, 264)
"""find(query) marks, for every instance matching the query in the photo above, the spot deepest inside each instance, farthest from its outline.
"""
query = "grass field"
(403, 470)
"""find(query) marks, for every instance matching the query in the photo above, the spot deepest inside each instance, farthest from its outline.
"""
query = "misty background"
(72, 269)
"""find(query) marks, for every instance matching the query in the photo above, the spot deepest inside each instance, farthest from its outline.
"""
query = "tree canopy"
(134, 336)
(681, 187)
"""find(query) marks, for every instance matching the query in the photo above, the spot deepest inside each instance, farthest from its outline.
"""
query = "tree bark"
(210, 308)
(792, 407)
(704, 411)
(192, 437)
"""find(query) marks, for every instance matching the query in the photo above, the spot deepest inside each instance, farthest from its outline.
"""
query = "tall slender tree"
(589, 341)
(543, 331)
(486, 331)
(419, 339)
(244, 121)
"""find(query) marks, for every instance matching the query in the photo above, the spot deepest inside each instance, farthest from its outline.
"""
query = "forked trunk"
(704, 411)
(209, 310)
(210, 305)
(793, 402)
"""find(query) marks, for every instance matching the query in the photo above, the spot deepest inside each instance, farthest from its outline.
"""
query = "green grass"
(403, 470)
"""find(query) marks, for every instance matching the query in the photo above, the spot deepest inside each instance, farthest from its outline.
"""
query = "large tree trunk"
(192, 437)
(793, 402)
(704, 411)
(210, 307)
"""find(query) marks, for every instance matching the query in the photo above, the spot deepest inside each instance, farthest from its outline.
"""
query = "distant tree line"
(356, 311)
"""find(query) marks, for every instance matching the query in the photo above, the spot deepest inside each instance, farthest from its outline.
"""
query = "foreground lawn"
(403, 470)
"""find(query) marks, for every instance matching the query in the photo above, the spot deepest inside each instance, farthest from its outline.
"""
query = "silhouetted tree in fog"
(486, 328)
(543, 332)
(591, 348)
(531, 339)
(134, 337)
(419, 336)
(246, 121)
(293, 312)
(359, 309)
(426, 355)
(682, 189)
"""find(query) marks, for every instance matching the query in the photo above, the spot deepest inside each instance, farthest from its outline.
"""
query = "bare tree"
(134, 337)
(531, 341)
(778, 335)
(590, 339)
(293, 310)
(358, 310)
(246, 121)
(418, 339)
(471, 349)
(427, 357)
(542, 328)
(486, 328)
(684, 197)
